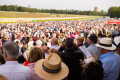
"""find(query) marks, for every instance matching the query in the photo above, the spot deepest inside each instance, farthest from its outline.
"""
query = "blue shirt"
(94, 50)
(111, 65)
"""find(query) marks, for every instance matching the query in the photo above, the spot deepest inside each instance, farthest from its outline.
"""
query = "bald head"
(54, 41)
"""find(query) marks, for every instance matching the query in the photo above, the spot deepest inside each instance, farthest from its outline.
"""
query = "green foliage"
(114, 12)
(34, 10)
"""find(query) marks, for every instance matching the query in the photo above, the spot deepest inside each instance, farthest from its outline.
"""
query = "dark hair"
(2, 59)
(69, 42)
(34, 43)
(94, 71)
(93, 38)
(45, 44)
(21, 59)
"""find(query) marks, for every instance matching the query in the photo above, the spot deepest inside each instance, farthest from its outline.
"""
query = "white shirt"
(55, 46)
(30, 44)
(39, 43)
(15, 71)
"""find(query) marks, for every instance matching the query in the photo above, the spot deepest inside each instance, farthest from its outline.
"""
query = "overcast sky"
(64, 4)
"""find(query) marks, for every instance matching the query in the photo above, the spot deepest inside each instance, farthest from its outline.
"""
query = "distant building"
(96, 9)
(29, 6)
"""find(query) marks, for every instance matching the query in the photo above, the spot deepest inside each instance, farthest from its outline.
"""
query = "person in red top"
(35, 39)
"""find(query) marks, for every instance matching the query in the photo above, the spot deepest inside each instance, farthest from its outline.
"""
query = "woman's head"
(35, 54)
(53, 50)
(94, 71)
(25, 46)
(30, 39)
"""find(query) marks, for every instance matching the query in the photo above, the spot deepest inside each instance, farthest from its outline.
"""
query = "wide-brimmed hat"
(117, 40)
(106, 43)
(51, 68)
(3, 77)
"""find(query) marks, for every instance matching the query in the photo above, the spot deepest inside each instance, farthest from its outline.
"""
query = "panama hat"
(117, 40)
(3, 77)
(51, 68)
(106, 43)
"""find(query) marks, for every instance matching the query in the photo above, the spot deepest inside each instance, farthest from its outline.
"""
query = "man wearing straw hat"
(110, 60)
(51, 68)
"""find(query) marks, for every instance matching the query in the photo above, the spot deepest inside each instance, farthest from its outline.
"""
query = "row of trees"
(114, 12)
(25, 9)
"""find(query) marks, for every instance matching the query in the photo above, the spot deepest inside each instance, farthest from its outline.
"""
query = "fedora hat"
(3, 77)
(106, 43)
(117, 40)
(51, 68)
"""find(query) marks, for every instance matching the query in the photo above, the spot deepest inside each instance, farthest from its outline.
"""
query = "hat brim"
(113, 47)
(51, 76)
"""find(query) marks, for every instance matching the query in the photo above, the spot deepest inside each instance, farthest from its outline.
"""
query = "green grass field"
(7, 17)
(7, 14)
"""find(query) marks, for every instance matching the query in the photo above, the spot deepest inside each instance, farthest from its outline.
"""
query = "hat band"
(107, 45)
(50, 70)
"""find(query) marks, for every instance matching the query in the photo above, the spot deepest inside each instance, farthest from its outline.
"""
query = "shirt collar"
(11, 62)
(106, 55)
(92, 45)
(55, 46)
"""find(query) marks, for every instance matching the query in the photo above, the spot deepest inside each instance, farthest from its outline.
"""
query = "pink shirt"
(33, 75)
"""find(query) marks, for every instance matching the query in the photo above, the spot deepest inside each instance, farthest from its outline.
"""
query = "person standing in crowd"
(12, 69)
(92, 48)
(72, 58)
(93, 70)
(35, 54)
(53, 50)
(118, 49)
(39, 42)
(117, 43)
(51, 68)
(54, 43)
(110, 60)
(80, 41)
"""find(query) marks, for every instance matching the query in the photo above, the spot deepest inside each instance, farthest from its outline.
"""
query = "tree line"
(114, 12)
(67, 11)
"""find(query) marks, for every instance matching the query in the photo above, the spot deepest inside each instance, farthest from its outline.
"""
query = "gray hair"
(12, 49)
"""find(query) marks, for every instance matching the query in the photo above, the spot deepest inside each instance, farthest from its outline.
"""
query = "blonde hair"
(25, 47)
(30, 39)
(35, 54)
(53, 50)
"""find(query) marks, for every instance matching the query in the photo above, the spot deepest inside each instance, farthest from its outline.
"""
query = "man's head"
(54, 41)
(92, 39)
(106, 45)
(80, 40)
(10, 50)
(69, 42)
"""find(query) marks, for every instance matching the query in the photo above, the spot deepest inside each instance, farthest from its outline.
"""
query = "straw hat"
(3, 77)
(106, 43)
(51, 68)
